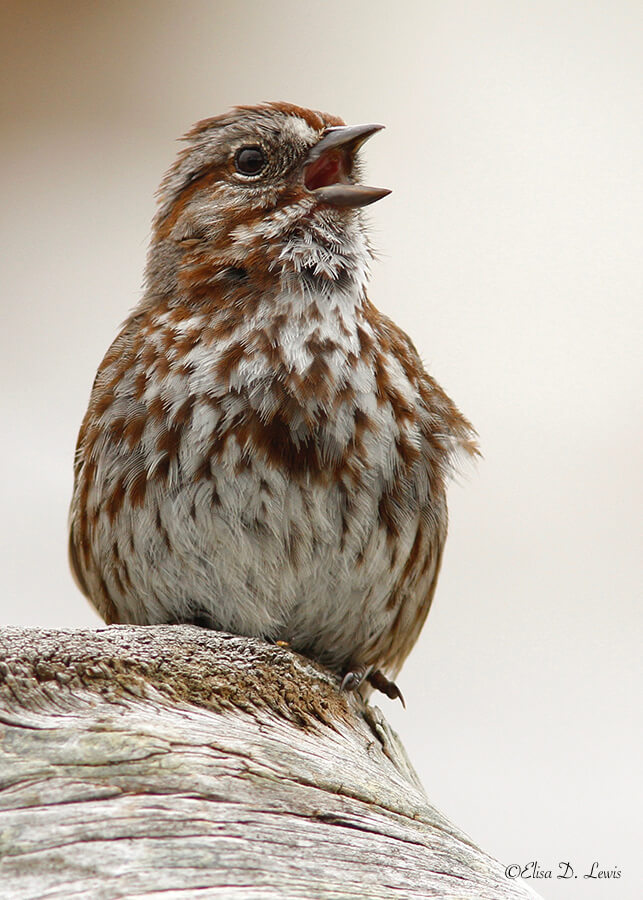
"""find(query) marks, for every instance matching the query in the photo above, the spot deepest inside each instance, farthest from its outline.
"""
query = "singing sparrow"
(263, 451)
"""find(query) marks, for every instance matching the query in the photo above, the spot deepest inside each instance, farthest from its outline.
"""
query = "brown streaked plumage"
(263, 451)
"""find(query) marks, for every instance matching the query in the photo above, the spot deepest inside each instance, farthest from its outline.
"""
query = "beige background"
(510, 250)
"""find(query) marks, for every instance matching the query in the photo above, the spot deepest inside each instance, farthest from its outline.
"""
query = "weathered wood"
(175, 762)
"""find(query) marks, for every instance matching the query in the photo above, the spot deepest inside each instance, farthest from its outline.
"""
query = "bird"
(263, 451)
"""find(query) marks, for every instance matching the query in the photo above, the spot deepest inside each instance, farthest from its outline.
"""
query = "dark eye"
(250, 160)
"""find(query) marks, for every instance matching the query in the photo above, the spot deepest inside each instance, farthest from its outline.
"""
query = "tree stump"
(175, 762)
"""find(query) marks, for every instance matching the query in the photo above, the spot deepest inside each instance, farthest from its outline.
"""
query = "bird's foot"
(353, 679)
(380, 682)
(356, 677)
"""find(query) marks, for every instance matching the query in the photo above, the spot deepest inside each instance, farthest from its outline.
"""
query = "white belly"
(261, 555)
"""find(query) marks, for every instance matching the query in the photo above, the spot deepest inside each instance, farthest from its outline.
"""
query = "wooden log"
(175, 762)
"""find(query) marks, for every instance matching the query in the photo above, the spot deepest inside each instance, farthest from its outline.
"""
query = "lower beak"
(329, 164)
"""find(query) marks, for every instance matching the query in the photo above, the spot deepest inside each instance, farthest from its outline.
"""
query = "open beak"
(329, 165)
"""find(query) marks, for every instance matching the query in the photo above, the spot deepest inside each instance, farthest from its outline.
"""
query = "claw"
(381, 683)
(352, 680)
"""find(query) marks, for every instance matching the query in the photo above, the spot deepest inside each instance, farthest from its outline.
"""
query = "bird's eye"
(250, 160)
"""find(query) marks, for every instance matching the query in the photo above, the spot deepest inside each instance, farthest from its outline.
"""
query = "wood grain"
(175, 762)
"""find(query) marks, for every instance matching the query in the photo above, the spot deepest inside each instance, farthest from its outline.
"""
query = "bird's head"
(263, 194)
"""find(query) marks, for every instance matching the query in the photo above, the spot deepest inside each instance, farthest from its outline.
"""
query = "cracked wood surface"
(175, 762)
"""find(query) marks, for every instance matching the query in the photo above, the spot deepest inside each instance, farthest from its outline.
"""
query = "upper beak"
(329, 163)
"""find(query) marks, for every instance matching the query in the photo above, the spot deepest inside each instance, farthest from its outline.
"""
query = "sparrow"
(264, 452)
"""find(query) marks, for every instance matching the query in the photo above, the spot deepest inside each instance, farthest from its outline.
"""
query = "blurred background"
(510, 250)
